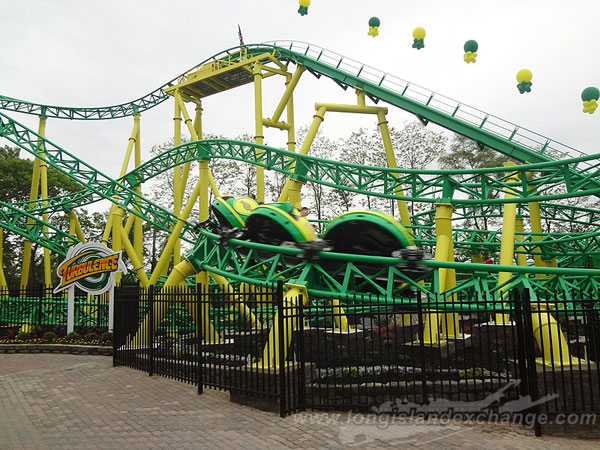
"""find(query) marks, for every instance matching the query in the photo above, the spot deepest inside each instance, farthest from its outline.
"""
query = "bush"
(22, 336)
(72, 336)
(49, 336)
(91, 337)
(107, 336)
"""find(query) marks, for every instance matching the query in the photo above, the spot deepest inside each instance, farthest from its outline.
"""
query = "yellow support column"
(130, 145)
(271, 357)
(339, 315)
(176, 278)
(293, 187)
(535, 221)
(519, 229)
(391, 160)
(507, 244)
(2, 277)
(74, 227)
(163, 261)
(259, 138)
(136, 261)
(291, 83)
(33, 195)
(444, 251)
(239, 304)
(201, 277)
(138, 234)
(43, 197)
(117, 226)
(291, 143)
(177, 188)
(477, 258)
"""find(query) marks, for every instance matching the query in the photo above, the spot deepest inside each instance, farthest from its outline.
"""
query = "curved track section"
(468, 191)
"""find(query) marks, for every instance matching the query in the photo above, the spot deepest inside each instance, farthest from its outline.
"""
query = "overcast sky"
(84, 53)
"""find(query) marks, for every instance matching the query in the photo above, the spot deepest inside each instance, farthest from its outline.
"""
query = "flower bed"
(49, 338)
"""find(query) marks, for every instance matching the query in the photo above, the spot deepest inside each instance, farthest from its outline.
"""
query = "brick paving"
(72, 401)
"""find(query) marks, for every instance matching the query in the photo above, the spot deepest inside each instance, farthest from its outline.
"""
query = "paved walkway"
(68, 401)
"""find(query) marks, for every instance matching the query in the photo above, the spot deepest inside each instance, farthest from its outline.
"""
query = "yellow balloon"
(419, 33)
(524, 75)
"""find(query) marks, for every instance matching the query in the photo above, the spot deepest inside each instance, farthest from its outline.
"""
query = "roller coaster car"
(233, 212)
(275, 223)
(372, 232)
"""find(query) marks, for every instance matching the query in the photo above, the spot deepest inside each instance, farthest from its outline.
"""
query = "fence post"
(151, 331)
(301, 359)
(421, 336)
(114, 331)
(199, 319)
(530, 358)
(282, 342)
(521, 344)
(38, 316)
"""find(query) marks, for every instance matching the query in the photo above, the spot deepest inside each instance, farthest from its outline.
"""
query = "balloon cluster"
(303, 10)
(419, 36)
(524, 77)
(470, 51)
(374, 23)
(590, 97)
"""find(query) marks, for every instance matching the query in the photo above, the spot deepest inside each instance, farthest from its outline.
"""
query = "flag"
(240, 35)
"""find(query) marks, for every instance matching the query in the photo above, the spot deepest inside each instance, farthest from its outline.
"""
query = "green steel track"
(560, 172)
(426, 186)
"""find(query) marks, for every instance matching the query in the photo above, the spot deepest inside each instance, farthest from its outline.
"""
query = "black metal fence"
(369, 353)
(212, 339)
(39, 308)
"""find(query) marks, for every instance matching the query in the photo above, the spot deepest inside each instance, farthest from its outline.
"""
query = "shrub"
(107, 336)
(49, 336)
(91, 337)
(72, 336)
(474, 372)
(22, 336)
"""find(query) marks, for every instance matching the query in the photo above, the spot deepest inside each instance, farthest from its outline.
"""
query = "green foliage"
(91, 337)
(72, 337)
(107, 336)
(15, 186)
(22, 336)
(16, 174)
(463, 153)
(351, 372)
(49, 336)
(474, 372)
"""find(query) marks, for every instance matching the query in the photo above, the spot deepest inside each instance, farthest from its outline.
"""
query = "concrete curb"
(57, 348)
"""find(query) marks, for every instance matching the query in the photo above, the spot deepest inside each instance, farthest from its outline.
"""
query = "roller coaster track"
(427, 186)
(486, 129)
(464, 189)
(347, 274)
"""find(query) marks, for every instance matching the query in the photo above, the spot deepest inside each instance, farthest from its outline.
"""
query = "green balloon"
(374, 22)
(590, 93)
(471, 46)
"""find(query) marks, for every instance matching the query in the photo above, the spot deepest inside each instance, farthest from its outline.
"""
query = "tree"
(464, 153)
(15, 186)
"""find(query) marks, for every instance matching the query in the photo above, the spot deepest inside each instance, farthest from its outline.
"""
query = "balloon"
(374, 23)
(419, 36)
(590, 93)
(471, 46)
(470, 57)
(303, 10)
(590, 106)
(419, 33)
(524, 75)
